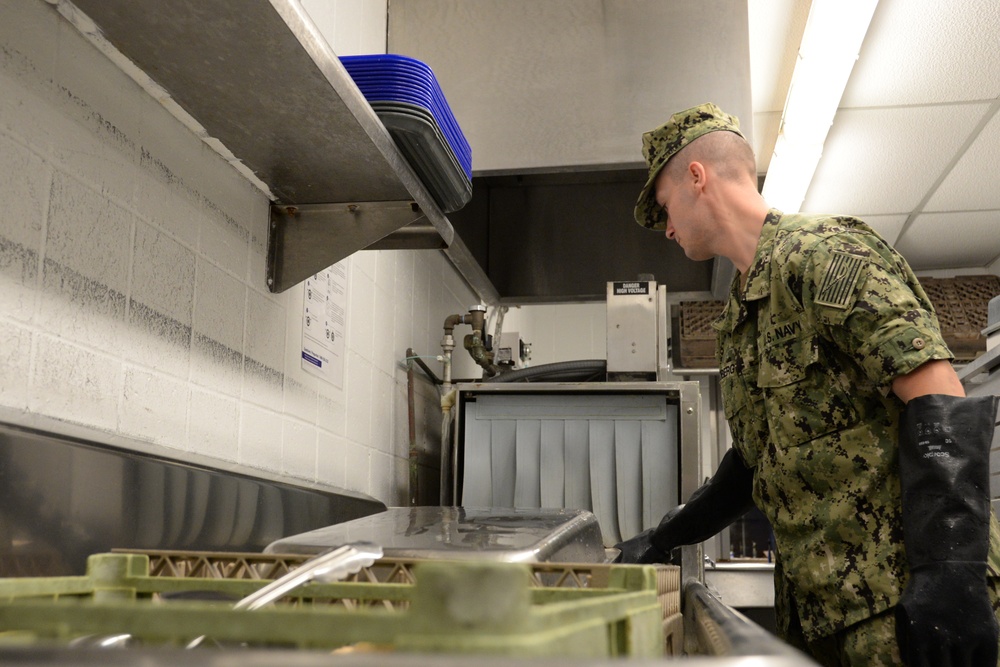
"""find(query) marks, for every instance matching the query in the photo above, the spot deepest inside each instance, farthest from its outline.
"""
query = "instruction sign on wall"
(324, 324)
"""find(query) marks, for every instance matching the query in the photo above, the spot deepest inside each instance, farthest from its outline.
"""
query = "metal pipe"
(476, 317)
(712, 628)
(412, 425)
(447, 346)
(447, 460)
(424, 367)
(498, 327)
(476, 342)
(453, 321)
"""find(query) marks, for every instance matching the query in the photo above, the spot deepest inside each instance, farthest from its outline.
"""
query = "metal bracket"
(307, 238)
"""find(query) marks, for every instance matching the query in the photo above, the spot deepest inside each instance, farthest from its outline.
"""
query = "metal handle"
(332, 565)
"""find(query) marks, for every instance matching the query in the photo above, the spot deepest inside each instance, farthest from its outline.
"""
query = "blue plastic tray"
(388, 78)
(399, 91)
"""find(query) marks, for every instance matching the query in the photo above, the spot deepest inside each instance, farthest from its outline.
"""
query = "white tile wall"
(132, 295)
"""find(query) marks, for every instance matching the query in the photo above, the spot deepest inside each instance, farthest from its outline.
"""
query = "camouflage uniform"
(829, 316)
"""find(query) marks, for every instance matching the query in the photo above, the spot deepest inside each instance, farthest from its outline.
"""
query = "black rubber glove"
(640, 549)
(723, 499)
(945, 618)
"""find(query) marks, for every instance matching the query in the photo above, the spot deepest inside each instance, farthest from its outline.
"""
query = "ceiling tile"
(875, 162)
(972, 184)
(928, 51)
(952, 240)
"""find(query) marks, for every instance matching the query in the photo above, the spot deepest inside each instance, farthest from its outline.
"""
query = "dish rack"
(405, 605)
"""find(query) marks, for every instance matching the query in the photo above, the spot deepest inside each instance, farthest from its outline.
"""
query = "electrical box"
(512, 352)
(632, 329)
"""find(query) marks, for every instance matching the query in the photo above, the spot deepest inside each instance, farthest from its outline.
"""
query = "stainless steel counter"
(740, 585)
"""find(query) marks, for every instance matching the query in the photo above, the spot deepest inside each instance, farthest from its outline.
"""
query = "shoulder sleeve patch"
(837, 288)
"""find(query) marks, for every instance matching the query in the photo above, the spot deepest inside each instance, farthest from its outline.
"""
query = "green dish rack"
(425, 606)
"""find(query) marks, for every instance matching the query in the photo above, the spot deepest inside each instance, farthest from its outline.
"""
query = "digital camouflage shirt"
(807, 352)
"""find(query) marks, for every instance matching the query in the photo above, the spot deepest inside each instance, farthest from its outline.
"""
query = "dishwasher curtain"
(616, 455)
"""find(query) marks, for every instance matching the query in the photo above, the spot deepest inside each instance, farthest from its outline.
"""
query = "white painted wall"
(132, 297)
(352, 27)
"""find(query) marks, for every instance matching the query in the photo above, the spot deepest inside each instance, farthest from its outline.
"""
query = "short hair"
(730, 154)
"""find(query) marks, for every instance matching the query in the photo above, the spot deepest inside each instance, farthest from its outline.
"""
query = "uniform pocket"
(743, 405)
(804, 396)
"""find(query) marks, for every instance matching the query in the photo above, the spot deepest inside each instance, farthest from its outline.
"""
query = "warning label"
(630, 288)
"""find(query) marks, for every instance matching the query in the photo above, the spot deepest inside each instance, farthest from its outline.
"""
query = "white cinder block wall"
(132, 297)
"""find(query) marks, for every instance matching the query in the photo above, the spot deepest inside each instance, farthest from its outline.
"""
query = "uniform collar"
(759, 273)
(758, 276)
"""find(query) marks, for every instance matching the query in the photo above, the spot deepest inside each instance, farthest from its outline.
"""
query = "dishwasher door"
(615, 449)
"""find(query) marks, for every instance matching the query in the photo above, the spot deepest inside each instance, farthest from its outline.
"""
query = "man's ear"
(698, 175)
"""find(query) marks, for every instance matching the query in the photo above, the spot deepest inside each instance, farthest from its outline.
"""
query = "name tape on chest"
(837, 288)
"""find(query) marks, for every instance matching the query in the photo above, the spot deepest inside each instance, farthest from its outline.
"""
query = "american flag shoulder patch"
(837, 288)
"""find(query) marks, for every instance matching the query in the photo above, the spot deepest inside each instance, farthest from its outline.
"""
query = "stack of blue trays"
(407, 98)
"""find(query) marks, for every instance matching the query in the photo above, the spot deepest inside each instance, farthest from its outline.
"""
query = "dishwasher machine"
(626, 451)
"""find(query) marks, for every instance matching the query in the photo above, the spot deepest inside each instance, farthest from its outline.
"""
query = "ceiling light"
(830, 45)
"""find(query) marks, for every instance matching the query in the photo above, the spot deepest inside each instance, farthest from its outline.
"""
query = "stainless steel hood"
(548, 238)
(553, 96)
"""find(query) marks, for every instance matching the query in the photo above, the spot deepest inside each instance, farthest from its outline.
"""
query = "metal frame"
(712, 628)
(688, 396)
(303, 240)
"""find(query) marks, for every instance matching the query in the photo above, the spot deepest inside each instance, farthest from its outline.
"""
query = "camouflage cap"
(659, 145)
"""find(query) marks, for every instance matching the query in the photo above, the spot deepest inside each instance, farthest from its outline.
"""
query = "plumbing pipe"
(447, 346)
(447, 461)
(453, 321)
(425, 368)
(476, 342)
(476, 317)
(498, 328)
(412, 424)
(483, 357)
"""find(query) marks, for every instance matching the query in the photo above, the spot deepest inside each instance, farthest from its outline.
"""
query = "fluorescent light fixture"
(830, 45)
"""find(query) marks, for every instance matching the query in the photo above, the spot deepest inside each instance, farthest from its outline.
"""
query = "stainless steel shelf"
(259, 77)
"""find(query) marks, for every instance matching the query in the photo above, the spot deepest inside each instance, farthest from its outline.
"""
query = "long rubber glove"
(723, 499)
(945, 618)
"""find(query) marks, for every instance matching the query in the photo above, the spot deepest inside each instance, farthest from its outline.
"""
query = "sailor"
(851, 430)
